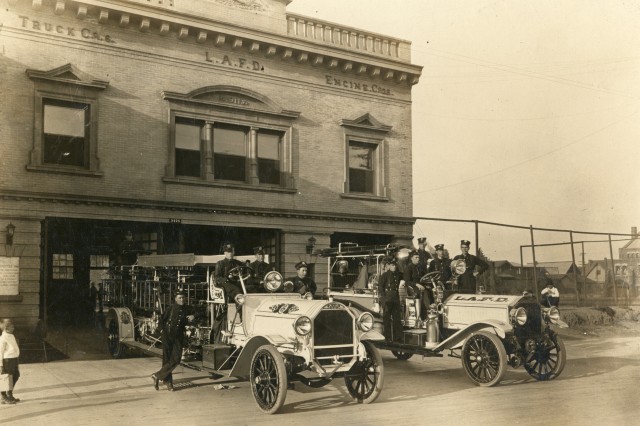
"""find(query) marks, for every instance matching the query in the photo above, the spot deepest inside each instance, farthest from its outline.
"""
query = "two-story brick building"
(189, 124)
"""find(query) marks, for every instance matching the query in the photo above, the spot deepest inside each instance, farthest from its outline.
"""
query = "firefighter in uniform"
(441, 264)
(423, 253)
(259, 266)
(412, 274)
(301, 283)
(231, 288)
(467, 281)
(388, 289)
(173, 322)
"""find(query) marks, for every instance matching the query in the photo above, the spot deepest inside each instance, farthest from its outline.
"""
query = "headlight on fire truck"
(518, 316)
(273, 281)
(302, 326)
(365, 321)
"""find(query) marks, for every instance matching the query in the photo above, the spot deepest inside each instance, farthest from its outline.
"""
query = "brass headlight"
(302, 326)
(365, 321)
(518, 316)
(273, 281)
(458, 267)
(239, 299)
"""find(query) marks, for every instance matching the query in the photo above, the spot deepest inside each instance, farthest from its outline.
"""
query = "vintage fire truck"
(271, 338)
(487, 332)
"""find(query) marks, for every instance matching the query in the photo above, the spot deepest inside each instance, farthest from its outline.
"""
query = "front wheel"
(484, 358)
(547, 359)
(268, 378)
(364, 380)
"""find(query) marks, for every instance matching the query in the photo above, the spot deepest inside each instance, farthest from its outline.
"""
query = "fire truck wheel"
(268, 377)
(484, 358)
(364, 380)
(116, 349)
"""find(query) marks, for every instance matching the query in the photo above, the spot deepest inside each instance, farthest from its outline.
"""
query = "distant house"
(629, 268)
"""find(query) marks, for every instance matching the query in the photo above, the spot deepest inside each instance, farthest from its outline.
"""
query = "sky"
(527, 113)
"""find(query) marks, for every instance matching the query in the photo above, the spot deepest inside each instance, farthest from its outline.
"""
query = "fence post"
(535, 266)
(584, 272)
(613, 273)
(575, 277)
(477, 238)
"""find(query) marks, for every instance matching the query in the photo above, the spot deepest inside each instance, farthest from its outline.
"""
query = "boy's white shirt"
(8, 346)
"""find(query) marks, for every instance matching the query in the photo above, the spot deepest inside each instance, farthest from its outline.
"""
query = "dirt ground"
(604, 322)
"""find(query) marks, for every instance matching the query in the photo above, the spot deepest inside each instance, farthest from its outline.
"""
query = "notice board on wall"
(9, 276)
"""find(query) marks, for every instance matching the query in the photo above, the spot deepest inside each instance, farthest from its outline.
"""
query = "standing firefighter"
(467, 280)
(388, 288)
(441, 264)
(174, 320)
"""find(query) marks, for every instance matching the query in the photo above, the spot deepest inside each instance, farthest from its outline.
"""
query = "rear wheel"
(364, 380)
(268, 378)
(484, 358)
(116, 348)
(547, 359)
(402, 356)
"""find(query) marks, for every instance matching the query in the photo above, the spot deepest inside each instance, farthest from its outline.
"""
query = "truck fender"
(371, 335)
(242, 364)
(498, 327)
(125, 323)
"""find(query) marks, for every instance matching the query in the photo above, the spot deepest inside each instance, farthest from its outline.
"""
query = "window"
(230, 152)
(62, 267)
(365, 148)
(65, 128)
(269, 148)
(362, 167)
(231, 137)
(238, 153)
(188, 157)
(65, 134)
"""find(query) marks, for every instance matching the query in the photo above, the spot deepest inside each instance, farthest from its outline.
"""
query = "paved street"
(598, 386)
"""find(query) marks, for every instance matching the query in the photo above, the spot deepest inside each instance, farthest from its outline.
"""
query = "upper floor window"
(363, 173)
(230, 136)
(66, 126)
(65, 138)
(365, 166)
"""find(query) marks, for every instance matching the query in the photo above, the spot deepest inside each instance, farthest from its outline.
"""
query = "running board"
(403, 347)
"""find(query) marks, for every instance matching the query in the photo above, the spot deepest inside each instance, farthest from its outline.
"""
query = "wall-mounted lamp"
(311, 243)
(11, 229)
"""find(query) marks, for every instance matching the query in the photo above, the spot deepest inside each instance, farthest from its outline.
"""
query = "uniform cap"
(466, 243)
(228, 248)
(422, 240)
(301, 265)
(439, 246)
(180, 293)
(258, 250)
(413, 253)
(392, 262)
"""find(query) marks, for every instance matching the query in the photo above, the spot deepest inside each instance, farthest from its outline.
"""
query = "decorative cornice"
(67, 74)
(309, 41)
(196, 207)
(366, 122)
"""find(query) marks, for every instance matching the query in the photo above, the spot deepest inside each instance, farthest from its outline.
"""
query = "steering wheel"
(431, 276)
(240, 272)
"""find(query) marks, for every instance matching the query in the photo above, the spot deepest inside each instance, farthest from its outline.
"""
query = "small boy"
(9, 353)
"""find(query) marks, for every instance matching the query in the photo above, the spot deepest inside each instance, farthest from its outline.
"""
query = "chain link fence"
(589, 268)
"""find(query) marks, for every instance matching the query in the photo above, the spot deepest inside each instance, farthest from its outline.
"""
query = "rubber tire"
(550, 374)
(402, 356)
(355, 377)
(116, 348)
(488, 344)
(268, 358)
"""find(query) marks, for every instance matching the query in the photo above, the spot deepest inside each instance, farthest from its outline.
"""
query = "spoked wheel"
(364, 380)
(402, 356)
(484, 359)
(547, 359)
(116, 349)
(268, 379)
(315, 383)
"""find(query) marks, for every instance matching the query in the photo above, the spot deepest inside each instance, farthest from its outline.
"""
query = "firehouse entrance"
(78, 252)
